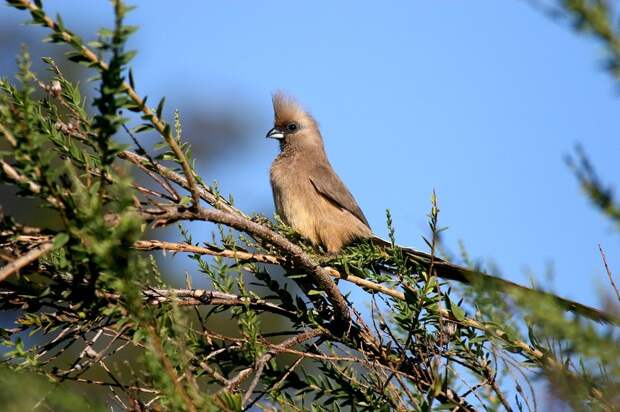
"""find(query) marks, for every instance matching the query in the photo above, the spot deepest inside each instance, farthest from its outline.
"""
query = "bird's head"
(292, 124)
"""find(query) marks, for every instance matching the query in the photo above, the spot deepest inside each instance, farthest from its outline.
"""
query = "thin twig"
(244, 373)
(205, 194)
(8, 135)
(213, 297)
(169, 368)
(611, 279)
(24, 260)
(262, 361)
(202, 250)
(277, 385)
(113, 384)
(158, 178)
(234, 382)
(35, 188)
(257, 375)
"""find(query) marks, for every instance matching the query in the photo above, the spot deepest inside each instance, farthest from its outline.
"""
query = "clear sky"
(477, 100)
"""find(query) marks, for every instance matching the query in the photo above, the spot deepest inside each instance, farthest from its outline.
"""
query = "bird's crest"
(286, 109)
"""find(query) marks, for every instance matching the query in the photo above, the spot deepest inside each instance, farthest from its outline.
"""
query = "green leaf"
(60, 240)
(143, 128)
(230, 401)
(457, 311)
(103, 32)
(96, 44)
(160, 107)
(77, 57)
(411, 297)
(131, 80)
(128, 56)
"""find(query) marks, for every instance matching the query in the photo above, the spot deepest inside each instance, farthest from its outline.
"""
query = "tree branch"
(24, 260)
(205, 194)
(212, 297)
(300, 259)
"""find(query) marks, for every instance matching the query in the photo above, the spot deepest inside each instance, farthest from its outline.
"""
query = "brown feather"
(335, 191)
(286, 109)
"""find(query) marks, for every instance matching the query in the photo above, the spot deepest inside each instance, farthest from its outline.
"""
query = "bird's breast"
(294, 198)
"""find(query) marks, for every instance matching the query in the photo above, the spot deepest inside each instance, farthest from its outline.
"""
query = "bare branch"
(609, 275)
(24, 260)
(212, 297)
(208, 250)
(173, 176)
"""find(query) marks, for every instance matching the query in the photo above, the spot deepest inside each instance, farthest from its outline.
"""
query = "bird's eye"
(291, 127)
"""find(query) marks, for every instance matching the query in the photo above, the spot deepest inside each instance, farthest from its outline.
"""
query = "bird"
(308, 194)
(311, 199)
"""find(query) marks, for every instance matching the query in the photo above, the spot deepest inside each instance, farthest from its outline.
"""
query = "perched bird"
(310, 197)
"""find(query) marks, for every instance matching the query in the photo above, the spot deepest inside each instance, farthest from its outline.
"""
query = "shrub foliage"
(88, 307)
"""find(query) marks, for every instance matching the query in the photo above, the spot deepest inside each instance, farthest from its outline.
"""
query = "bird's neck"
(303, 144)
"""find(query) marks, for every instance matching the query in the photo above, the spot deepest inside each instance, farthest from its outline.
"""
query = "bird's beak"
(275, 133)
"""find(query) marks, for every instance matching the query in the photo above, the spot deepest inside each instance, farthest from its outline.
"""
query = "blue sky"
(477, 100)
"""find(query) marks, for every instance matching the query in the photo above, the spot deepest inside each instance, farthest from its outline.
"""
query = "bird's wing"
(329, 185)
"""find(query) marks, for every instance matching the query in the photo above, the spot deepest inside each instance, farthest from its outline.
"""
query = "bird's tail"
(447, 270)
